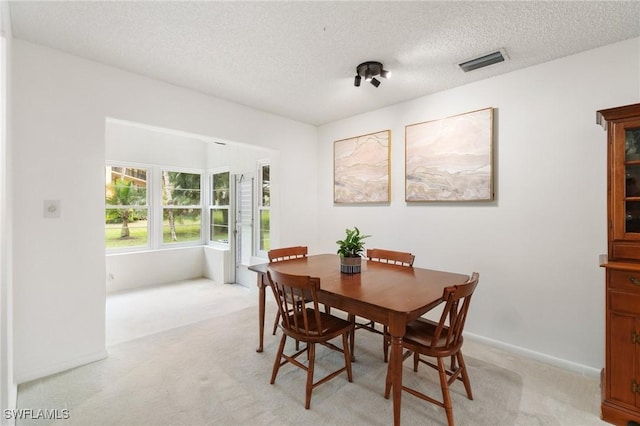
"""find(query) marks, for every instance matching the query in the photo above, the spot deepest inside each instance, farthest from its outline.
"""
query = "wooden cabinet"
(621, 374)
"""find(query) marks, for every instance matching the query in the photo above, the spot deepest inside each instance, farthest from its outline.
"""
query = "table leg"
(261, 302)
(394, 372)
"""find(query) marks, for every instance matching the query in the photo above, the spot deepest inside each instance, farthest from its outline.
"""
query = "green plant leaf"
(352, 245)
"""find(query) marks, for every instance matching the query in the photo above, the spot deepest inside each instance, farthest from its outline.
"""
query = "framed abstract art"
(450, 159)
(361, 169)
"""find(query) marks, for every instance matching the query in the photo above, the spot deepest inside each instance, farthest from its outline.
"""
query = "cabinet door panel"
(621, 358)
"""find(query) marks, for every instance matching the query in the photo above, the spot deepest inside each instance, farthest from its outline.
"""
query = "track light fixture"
(369, 70)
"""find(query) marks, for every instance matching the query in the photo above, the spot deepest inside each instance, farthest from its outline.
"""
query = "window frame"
(261, 207)
(160, 207)
(211, 206)
(155, 206)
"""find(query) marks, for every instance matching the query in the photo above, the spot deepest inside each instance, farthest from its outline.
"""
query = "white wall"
(8, 389)
(536, 246)
(59, 108)
(127, 271)
(132, 142)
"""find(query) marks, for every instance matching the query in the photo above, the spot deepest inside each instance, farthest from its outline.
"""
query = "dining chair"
(306, 324)
(440, 340)
(287, 253)
(281, 255)
(383, 256)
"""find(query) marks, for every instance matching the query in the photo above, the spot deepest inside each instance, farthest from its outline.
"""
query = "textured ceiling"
(298, 59)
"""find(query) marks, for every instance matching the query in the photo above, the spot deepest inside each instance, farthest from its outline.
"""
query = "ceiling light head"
(369, 70)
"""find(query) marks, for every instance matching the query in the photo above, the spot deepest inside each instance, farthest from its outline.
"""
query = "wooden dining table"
(392, 295)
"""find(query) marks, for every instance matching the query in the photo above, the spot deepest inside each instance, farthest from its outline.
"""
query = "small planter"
(350, 265)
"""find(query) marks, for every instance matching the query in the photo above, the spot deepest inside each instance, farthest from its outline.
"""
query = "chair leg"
(347, 355)
(385, 344)
(463, 373)
(444, 385)
(276, 365)
(352, 338)
(312, 358)
(416, 361)
(275, 323)
(387, 385)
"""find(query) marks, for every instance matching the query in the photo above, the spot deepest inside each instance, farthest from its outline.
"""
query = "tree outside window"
(265, 207)
(126, 207)
(219, 208)
(181, 207)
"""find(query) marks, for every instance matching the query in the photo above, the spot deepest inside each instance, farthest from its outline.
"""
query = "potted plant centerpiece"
(350, 250)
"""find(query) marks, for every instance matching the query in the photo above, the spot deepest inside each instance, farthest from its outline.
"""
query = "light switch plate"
(51, 208)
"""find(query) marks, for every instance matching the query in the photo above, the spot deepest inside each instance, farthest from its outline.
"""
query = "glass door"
(632, 179)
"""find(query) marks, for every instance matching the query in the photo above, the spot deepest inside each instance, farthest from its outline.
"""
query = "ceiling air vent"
(483, 61)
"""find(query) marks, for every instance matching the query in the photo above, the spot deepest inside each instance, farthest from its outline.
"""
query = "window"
(219, 208)
(151, 206)
(264, 197)
(181, 207)
(126, 207)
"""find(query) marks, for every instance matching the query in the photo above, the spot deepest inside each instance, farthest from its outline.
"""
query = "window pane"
(180, 225)
(125, 186)
(266, 186)
(265, 242)
(632, 181)
(220, 225)
(220, 189)
(126, 228)
(180, 189)
(632, 144)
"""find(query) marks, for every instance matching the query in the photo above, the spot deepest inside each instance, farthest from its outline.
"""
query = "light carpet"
(208, 373)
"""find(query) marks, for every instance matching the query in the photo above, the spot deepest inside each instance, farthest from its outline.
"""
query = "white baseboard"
(538, 356)
(26, 376)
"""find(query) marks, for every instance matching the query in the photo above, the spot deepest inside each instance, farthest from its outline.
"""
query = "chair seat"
(331, 325)
(420, 333)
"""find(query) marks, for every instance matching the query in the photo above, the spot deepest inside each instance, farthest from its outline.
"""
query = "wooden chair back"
(383, 256)
(287, 253)
(390, 256)
(299, 320)
(448, 333)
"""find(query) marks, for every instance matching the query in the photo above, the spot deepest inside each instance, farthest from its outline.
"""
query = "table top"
(394, 288)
